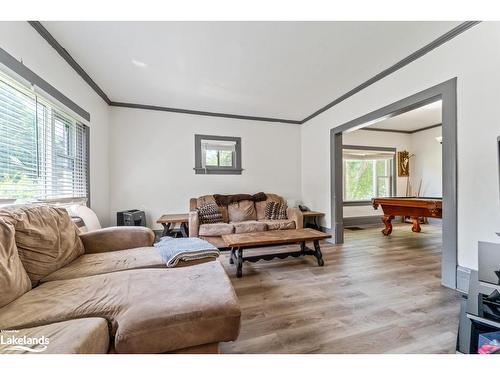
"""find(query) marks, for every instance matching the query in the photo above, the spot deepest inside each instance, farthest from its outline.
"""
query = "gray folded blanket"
(173, 250)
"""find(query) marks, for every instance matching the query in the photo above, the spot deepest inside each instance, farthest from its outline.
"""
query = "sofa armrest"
(194, 223)
(296, 215)
(116, 238)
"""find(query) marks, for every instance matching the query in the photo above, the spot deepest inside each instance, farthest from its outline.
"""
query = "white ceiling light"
(139, 64)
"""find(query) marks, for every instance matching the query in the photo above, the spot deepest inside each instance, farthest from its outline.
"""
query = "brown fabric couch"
(107, 290)
(240, 217)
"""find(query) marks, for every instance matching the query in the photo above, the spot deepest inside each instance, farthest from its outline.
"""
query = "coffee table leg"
(231, 258)
(239, 269)
(166, 229)
(318, 255)
(303, 248)
(184, 230)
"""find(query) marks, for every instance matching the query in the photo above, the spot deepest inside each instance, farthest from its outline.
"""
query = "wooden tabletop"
(312, 213)
(273, 237)
(173, 218)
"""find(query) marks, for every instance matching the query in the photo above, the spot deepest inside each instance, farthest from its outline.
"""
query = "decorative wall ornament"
(404, 163)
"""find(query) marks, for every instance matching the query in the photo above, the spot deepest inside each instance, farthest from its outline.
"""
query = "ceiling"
(268, 69)
(411, 121)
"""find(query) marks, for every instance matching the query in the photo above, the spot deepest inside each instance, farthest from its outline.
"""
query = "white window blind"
(43, 150)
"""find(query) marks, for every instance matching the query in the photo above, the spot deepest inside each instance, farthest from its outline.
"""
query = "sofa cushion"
(14, 280)
(241, 211)
(249, 226)
(113, 261)
(279, 224)
(217, 229)
(260, 207)
(78, 336)
(148, 310)
(46, 239)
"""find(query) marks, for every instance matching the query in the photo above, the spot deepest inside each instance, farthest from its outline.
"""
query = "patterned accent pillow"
(275, 211)
(210, 213)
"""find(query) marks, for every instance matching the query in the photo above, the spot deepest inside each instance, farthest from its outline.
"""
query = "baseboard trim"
(361, 220)
(463, 278)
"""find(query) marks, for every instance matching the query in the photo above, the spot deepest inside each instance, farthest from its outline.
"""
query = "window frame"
(394, 176)
(56, 109)
(198, 155)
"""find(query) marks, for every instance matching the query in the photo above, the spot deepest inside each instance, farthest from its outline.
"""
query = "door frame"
(447, 93)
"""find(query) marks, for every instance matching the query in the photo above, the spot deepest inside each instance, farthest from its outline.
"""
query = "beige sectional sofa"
(106, 291)
(240, 217)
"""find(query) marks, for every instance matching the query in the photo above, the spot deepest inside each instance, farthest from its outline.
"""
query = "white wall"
(152, 160)
(426, 165)
(473, 57)
(22, 41)
(400, 141)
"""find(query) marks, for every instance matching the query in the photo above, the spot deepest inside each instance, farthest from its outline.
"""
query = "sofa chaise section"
(115, 277)
(149, 310)
(77, 336)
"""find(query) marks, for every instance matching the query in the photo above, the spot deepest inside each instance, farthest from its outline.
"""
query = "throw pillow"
(275, 211)
(14, 280)
(46, 238)
(241, 211)
(209, 213)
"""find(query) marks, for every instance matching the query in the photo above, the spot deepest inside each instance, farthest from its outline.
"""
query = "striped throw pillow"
(275, 211)
(210, 213)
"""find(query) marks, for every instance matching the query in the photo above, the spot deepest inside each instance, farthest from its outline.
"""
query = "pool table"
(414, 207)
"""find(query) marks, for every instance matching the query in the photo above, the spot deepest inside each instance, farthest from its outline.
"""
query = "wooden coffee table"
(239, 242)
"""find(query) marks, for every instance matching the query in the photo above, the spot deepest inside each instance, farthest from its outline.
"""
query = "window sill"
(218, 170)
(357, 203)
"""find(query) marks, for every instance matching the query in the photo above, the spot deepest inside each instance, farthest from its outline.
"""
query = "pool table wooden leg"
(416, 224)
(388, 225)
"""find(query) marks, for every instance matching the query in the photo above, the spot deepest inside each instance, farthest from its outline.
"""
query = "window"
(43, 150)
(217, 154)
(368, 173)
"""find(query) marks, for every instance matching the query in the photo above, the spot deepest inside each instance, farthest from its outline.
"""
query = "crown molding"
(202, 113)
(403, 131)
(70, 60)
(400, 64)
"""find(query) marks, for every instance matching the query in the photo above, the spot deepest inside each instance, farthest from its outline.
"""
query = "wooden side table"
(311, 219)
(170, 221)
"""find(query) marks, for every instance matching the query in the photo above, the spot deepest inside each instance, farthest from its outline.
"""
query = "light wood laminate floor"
(375, 294)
